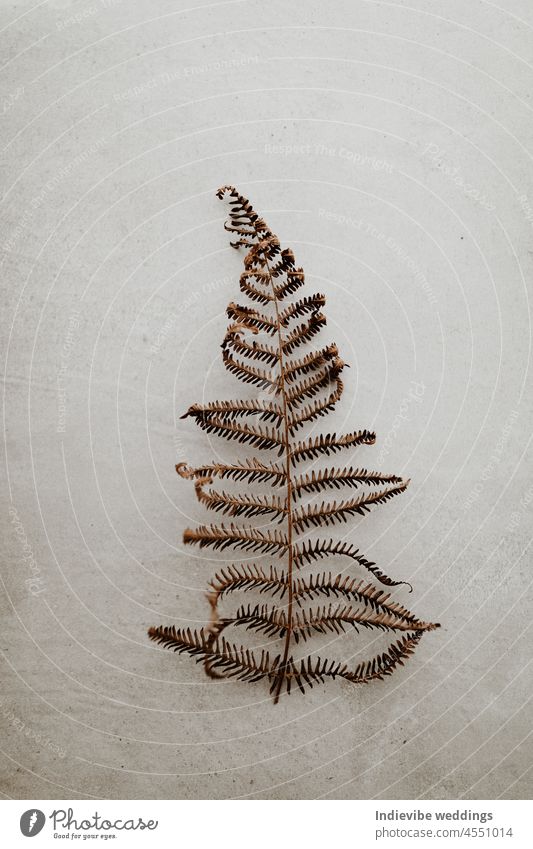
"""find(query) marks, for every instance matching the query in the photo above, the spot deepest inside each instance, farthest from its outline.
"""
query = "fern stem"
(287, 446)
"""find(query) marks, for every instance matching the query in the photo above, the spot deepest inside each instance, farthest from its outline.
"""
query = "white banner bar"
(268, 824)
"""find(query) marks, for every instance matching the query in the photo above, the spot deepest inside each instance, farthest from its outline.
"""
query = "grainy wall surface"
(388, 143)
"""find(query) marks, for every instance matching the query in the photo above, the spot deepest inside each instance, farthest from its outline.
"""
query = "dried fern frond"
(264, 346)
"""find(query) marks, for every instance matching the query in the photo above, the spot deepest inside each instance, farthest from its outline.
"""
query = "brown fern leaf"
(233, 409)
(293, 280)
(318, 408)
(223, 657)
(250, 318)
(311, 386)
(249, 539)
(307, 552)
(336, 478)
(253, 470)
(262, 348)
(238, 505)
(255, 351)
(245, 578)
(248, 287)
(357, 590)
(378, 667)
(303, 333)
(334, 618)
(309, 363)
(249, 373)
(329, 444)
(251, 434)
(328, 513)
(310, 304)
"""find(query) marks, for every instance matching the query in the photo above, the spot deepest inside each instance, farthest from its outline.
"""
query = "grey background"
(389, 144)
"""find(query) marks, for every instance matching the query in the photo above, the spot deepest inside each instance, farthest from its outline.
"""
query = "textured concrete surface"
(389, 143)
